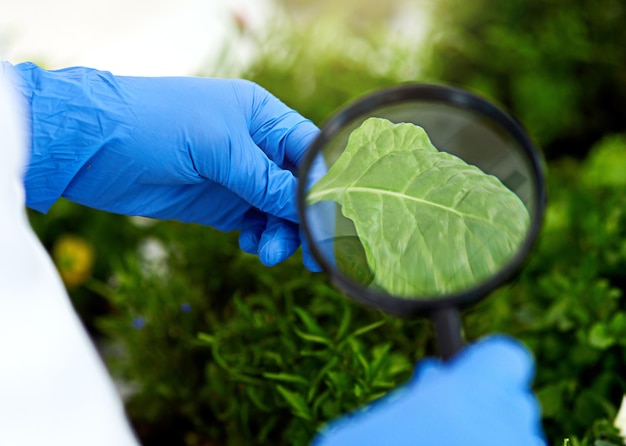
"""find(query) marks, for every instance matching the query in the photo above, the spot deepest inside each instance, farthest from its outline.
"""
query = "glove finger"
(426, 369)
(252, 227)
(259, 181)
(281, 132)
(508, 360)
(278, 242)
(502, 368)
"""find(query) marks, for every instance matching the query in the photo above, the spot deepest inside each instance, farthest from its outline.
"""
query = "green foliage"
(239, 353)
(568, 303)
(606, 162)
(558, 65)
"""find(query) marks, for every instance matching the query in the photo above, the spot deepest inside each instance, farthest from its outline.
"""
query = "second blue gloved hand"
(213, 151)
(480, 397)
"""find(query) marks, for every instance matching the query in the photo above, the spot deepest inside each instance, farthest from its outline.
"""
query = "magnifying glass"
(419, 200)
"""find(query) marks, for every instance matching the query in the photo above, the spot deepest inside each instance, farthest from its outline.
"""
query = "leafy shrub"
(246, 354)
(557, 65)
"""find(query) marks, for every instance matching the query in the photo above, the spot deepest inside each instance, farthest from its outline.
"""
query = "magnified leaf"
(430, 224)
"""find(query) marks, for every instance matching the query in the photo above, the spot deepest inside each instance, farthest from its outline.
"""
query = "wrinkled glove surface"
(480, 397)
(218, 152)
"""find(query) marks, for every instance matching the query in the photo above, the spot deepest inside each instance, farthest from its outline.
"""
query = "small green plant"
(243, 354)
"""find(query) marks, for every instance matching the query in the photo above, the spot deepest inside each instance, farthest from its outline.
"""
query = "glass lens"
(419, 200)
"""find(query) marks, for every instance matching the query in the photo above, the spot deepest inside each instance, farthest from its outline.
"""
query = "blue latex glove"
(480, 397)
(218, 152)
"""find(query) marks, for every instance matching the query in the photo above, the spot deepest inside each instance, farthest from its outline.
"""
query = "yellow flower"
(74, 259)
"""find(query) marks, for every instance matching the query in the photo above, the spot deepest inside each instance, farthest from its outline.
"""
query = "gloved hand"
(480, 397)
(218, 152)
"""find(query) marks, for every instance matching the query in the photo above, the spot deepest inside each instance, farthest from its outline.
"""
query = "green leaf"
(253, 394)
(296, 402)
(368, 328)
(207, 338)
(320, 375)
(600, 336)
(309, 322)
(429, 223)
(379, 354)
(358, 391)
(340, 380)
(286, 377)
(364, 363)
(618, 324)
(320, 399)
(311, 337)
(344, 325)
(551, 398)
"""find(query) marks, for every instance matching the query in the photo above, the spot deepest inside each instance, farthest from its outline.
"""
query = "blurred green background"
(212, 348)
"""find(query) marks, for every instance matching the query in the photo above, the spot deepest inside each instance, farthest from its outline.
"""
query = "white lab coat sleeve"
(54, 389)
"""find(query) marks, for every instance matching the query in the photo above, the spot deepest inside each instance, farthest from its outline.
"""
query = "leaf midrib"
(318, 196)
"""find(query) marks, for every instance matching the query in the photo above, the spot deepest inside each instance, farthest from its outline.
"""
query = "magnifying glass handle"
(448, 328)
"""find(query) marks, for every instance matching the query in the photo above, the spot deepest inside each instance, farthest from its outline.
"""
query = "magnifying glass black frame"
(443, 311)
